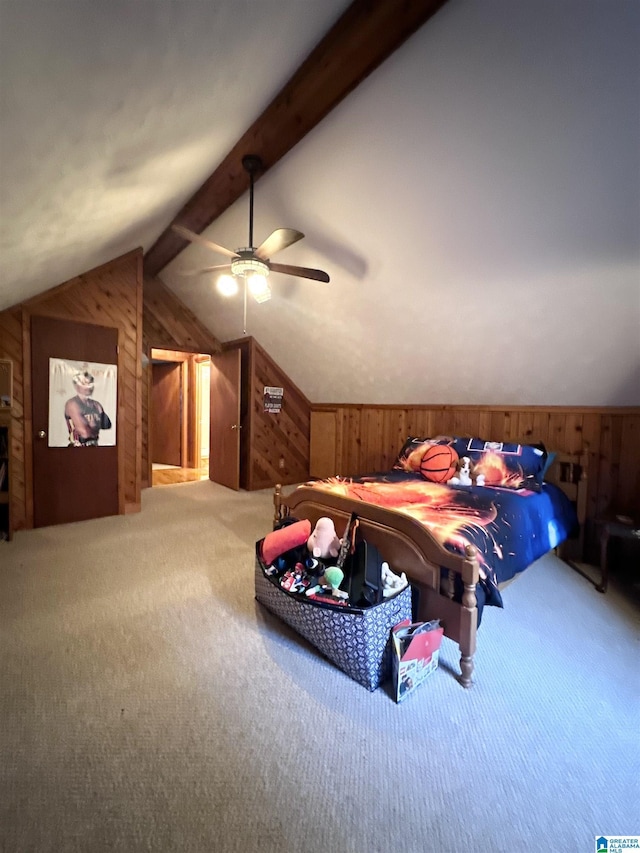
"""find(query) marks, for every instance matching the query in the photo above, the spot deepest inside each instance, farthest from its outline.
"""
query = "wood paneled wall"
(275, 448)
(302, 439)
(11, 347)
(110, 295)
(352, 439)
(278, 444)
(169, 324)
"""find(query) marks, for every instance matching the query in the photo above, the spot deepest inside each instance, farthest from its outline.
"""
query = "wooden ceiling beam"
(363, 37)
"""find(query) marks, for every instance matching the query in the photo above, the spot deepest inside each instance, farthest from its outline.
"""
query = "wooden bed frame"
(411, 548)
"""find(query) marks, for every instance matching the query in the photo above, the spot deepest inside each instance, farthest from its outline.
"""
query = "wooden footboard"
(408, 547)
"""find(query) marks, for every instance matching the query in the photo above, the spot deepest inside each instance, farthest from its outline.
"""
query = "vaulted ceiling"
(468, 176)
(360, 40)
(113, 115)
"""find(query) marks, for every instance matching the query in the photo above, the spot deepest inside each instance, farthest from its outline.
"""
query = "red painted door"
(70, 483)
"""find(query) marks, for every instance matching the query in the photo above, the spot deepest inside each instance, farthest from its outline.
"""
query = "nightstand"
(614, 526)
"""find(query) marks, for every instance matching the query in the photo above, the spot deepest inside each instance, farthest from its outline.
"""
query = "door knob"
(236, 426)
(42, 434)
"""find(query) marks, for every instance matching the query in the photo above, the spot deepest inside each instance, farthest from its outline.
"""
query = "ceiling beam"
(363, 37)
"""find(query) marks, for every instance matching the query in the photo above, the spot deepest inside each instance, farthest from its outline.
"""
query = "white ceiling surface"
(476, 201)
(113, 113)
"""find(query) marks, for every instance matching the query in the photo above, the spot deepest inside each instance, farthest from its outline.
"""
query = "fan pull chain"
(244, 318)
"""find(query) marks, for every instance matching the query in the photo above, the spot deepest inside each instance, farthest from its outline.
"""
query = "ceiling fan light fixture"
(252, 264)
(259, 287)
(246, 264)
(227, 285)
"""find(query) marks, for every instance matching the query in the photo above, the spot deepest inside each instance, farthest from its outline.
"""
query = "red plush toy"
(279, 541)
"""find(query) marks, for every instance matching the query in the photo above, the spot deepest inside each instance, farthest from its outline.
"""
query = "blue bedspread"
(511, 529)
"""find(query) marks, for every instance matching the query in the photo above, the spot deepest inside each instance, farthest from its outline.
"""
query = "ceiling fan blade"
(276, 242)
(302, 272)
(218, 268)
(197, 238)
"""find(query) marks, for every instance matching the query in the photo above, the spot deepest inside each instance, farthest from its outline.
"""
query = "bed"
(458, 544)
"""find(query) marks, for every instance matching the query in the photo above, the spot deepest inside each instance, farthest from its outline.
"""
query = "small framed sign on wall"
(273, 399)
(6, 383)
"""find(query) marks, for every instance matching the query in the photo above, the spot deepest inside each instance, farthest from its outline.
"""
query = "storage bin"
(355, 639)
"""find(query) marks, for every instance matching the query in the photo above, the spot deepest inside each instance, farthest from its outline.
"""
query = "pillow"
(284, 539)
(505, 465)
(413, 450)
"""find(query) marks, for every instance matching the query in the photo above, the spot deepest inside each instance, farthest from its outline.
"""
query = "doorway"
(179, 413)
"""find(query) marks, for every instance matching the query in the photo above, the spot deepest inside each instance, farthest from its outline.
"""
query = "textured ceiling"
(476, 200)
(113, 114)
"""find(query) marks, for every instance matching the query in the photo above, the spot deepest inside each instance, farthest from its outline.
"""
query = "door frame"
(189, 356)
(198, 361)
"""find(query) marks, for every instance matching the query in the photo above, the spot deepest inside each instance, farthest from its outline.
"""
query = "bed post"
(277, 498)
(469, 621)
(581, 497)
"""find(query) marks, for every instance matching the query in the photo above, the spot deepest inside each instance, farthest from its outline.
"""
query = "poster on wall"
(82, 403)
(273, 399)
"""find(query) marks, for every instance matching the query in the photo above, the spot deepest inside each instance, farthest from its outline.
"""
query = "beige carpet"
(149, 703)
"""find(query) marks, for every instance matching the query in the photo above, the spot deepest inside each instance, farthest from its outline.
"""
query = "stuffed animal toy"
(330, 582)
(333, 577)
(462, 476)
(392, 583)
(324, 542)
(466, 475)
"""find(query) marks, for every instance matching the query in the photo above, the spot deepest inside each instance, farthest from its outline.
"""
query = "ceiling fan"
(252, 264)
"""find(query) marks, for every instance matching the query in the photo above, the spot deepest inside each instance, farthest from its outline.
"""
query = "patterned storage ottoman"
(356, 640)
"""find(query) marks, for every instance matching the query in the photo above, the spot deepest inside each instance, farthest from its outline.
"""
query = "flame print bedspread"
(510, 529)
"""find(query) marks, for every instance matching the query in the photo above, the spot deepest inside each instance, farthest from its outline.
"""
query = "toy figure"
(334, 577)
(329, 582)
(295, 580)
(324, 542)
(392, 583)
(466, 474)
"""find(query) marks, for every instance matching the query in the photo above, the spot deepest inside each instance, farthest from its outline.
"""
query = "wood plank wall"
(278, 443)
(363, 437)
(11, 347)
(169, 324)
(109, 295)
(267, 438)
(368, 438)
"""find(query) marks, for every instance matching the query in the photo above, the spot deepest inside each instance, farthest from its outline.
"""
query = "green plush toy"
(333, 575)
